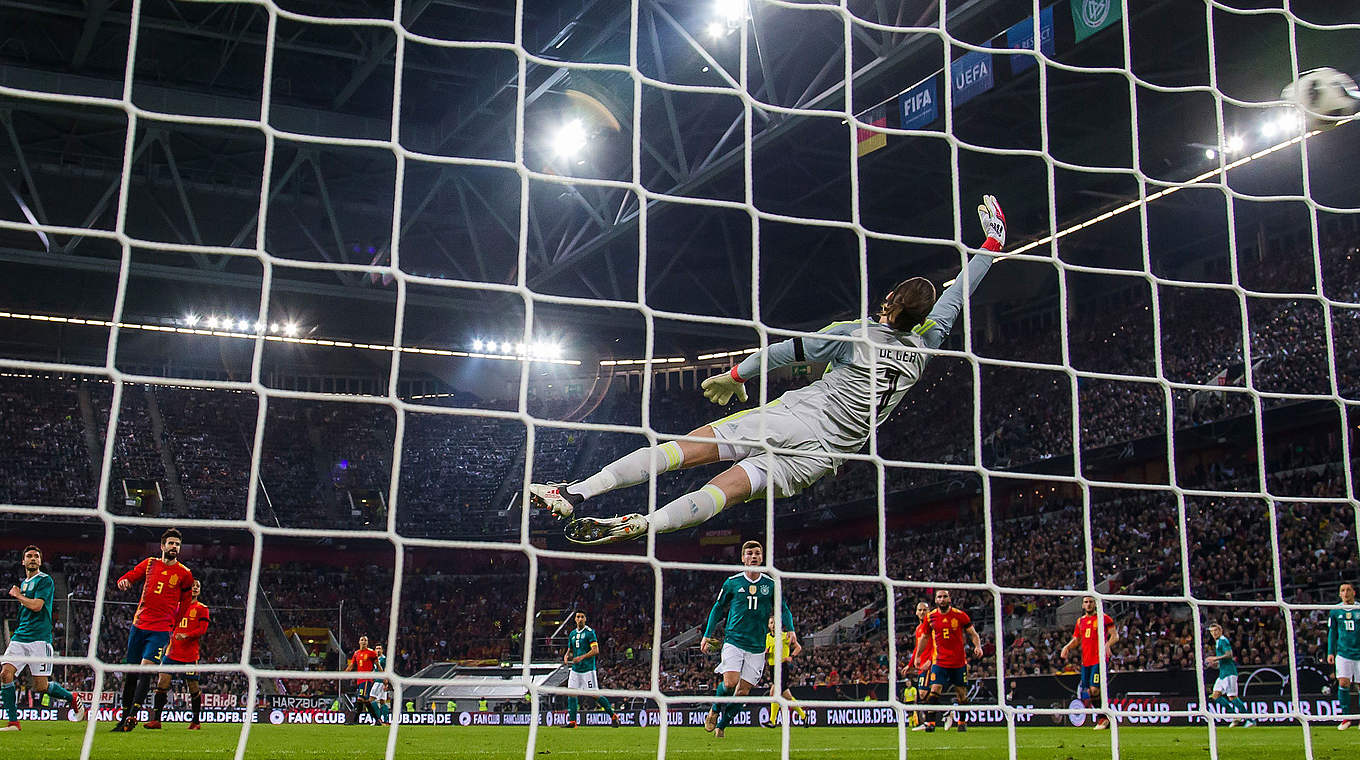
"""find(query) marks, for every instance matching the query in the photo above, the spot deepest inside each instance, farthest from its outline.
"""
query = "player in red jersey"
(166, 590)
(1087, 635)
(193, 623)
(364, 660)
(922, 657)
(948, 626)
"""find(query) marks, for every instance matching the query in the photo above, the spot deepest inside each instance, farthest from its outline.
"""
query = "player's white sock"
(689, 510)
(631, 470)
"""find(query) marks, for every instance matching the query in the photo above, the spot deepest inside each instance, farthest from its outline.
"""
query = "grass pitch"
(62, 741)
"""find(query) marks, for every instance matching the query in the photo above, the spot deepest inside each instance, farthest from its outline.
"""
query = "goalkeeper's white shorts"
(586, 681)
(42, 652)
(1227, 685)
(787, 474)
(1347, 668)
(751, 665)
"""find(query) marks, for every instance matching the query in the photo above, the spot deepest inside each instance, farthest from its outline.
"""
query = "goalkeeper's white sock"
(688, 510)
(631, 470)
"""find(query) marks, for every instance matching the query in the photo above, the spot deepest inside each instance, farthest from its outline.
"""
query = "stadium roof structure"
(332, 202)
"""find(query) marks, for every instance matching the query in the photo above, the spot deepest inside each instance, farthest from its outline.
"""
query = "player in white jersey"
(866, 378)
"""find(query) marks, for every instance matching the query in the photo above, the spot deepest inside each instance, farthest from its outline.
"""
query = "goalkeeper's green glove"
(720, 388)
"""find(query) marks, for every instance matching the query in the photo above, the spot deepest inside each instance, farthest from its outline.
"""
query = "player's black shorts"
(947, 677)
(363, 689)
(190, 676)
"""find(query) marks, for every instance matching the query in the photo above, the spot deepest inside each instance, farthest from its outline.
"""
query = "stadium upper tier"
(460, 475)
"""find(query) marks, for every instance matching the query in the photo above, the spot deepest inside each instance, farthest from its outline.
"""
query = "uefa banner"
(1140, 711)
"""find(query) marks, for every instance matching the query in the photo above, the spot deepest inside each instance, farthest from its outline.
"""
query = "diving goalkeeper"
(864, 383)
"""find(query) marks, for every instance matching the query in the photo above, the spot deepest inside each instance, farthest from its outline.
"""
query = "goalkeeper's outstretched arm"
(941, 319)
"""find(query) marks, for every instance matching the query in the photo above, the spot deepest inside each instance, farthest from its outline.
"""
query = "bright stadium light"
(273, 327)
(732, 12)
(191, 319)
(570, 139)
(1210, 153)
(290, 328)
(477, 345)
(1236, 144)
(715, 30)
(212, 322)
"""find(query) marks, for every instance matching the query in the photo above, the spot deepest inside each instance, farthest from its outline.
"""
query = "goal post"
(1149, 181)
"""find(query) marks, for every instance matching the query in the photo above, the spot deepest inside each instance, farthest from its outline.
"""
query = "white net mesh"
(1097, 404)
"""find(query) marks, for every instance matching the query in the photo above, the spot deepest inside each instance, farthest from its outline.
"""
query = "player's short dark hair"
(913, 299)
(172, 533)
(749, 544)
(32, 548)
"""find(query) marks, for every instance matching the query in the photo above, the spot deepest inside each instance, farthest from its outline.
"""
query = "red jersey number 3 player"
(948, 625)
(166, 589)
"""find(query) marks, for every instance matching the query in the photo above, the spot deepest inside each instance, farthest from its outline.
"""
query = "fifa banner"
(920, 104)
(1021, 37)
(969, 76)
(1090, 16)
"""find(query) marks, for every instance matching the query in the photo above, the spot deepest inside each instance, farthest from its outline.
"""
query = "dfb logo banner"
(1090, 16)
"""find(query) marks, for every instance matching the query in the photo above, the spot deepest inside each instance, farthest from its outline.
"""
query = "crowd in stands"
(460, 471)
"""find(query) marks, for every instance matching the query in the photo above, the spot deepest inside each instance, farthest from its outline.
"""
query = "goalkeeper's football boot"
(553, 497)
(608, 530)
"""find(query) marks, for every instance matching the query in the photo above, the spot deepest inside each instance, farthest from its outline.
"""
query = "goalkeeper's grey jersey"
(864, 381)
(863, 384)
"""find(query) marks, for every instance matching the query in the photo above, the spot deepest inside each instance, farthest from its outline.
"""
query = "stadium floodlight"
(273, 327)
(1210, 153)
(570, 139)
(259, 327)
(191, 319)
(290, 328)
(1235, 144)
(715, 30)
(477, 345)
(212, 322)
(732, 12)
(243, 324)
(1287, 122)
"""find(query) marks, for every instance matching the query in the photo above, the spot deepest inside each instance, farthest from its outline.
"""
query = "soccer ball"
(1325, 96)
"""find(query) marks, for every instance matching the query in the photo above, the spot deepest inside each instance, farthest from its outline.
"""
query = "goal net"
(327, 286)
